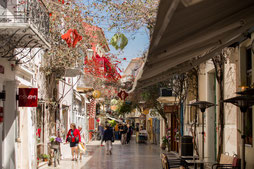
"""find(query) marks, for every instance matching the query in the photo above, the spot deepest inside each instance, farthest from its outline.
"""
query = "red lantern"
(68, 39)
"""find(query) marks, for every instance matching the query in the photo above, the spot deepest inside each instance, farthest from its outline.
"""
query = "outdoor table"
(189, 157)
(184, 158)
(198, 162)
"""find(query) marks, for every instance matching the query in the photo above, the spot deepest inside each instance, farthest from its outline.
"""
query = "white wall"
(8, 159)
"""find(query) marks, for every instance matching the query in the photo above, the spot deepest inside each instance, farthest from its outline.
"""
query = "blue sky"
(137, 44)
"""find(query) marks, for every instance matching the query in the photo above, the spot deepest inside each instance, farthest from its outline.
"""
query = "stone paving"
(131, 156)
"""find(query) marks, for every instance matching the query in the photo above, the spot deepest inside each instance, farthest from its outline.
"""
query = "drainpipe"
(215, 119)
(181, 118)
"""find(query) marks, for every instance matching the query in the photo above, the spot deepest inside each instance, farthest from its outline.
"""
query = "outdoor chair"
(228, 162)
(168, 164)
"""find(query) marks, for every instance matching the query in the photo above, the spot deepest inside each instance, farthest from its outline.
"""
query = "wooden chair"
(228, 162)
(168, 164)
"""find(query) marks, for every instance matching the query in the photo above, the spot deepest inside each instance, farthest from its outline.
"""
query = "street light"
(247, 92)
(202, 105)
(243, 102)
(90, 53)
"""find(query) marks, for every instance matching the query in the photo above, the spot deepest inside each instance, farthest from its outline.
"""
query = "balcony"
(23, 26)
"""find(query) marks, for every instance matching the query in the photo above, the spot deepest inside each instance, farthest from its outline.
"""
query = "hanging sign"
(28, 97)
(122, 95)
(1, 69)
(170, 108)
(1, 114)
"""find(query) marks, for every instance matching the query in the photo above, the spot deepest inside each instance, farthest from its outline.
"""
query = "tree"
(219, 65)
(130, 15)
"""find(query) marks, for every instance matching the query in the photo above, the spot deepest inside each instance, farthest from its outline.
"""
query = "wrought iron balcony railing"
(33, 12)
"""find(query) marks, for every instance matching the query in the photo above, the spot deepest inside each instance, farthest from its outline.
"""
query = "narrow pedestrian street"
(130, 156)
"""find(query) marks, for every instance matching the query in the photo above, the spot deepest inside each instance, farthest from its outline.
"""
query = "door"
(174, 133)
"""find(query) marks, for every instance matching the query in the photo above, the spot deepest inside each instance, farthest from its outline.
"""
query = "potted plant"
(55, 142)
(45, 157)
(164, 142)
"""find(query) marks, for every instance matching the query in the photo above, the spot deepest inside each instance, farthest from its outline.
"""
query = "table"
(198, 162)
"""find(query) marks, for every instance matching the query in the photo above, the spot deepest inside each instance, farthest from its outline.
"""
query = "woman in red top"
(74, 138)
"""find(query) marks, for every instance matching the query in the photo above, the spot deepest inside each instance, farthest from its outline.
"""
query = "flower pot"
(163, 146)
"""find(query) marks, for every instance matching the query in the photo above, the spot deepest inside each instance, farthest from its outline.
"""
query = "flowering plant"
(55, 139)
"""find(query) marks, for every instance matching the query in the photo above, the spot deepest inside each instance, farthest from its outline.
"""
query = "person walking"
(101, 132)
(73, 137)
(124, 134)
(108, 137)
(129, 133)
(116, 132)
(81, 146)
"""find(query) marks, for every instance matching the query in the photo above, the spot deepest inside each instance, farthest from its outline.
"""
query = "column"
(9, 136)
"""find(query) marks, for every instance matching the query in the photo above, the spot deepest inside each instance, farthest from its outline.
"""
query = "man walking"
(124, 134)
(108, 137)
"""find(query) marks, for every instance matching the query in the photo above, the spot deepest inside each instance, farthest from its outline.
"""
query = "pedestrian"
(116, 132)
(120, 128)
(81, 146)
(129, 133)
(101, 132)
(73, 137)
(124, 134)
(108, 138)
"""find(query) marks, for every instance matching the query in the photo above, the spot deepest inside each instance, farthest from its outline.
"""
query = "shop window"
(40, 126)
(192, 111)
(248, 114)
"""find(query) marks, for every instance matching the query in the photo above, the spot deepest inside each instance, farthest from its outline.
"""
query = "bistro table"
(198, 162)
(184, 158)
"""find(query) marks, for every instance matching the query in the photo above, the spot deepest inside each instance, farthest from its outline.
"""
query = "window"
(192, 111)
(40, 121)
(248, 114)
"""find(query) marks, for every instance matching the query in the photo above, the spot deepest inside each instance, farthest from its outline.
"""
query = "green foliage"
(125, 108)
(112, 123)
(164, 140)
(119, 41)
(52, 139)
(44, 156)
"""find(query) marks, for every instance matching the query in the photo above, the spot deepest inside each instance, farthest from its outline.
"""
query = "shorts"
(73, 144)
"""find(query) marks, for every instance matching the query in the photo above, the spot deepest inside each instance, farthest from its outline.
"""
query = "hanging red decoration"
(68, 38)
(60, 1)
(50, 14)
(124, 58)
(77, 38)
(102, 67)
(122, 95)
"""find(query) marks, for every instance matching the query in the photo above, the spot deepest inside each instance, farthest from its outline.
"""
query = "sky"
(138, 42)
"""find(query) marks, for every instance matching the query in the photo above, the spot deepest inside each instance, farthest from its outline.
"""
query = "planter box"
(55, 145)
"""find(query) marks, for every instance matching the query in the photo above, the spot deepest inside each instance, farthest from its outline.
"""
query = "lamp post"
(247, 92)
(243, 102)
(90, 53)
(202, 105)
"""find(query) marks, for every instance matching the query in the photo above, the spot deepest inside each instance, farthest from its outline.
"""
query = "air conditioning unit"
(166, 92)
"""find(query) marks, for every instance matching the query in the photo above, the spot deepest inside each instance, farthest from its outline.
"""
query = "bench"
(172, 163)
(228, 162)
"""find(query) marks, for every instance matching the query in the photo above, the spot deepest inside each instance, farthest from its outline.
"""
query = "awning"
(185, 36)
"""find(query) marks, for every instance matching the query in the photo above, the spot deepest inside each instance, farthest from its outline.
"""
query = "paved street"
(132, 156)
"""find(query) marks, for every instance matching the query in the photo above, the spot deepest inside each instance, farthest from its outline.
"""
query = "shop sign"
(28, 97)
(170, 109)
(1, 114)
(1, 69)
